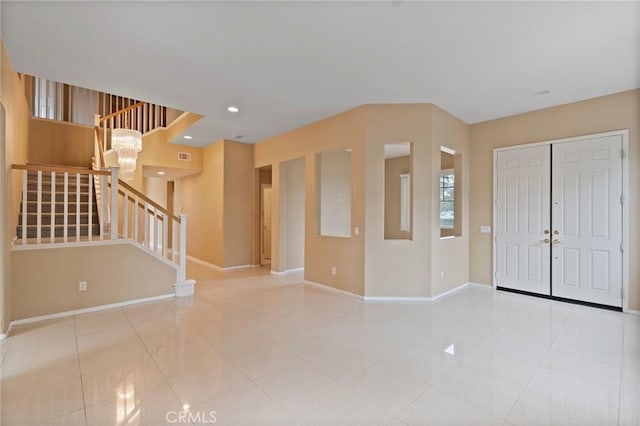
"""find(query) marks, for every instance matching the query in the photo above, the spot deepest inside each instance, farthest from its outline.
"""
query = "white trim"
(480, 286)
(288, 271)
(94, 243)
(625, 220)
(219, 268)
(624, 133)
(23, 247)
(420, 299)
(331, 289)
(203, 263)
(91, 309)
(7, 333)
(233, 268)
(447, 150)
(396, 299)
(633, 312)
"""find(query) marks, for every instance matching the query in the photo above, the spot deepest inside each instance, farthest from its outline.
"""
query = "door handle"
(556, 232)
(546, 241)
(557, 242)
(546, 231)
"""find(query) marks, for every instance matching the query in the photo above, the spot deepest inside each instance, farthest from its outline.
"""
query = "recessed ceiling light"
(188, 137)
(161, 173)
(542, 92)
(233, 108)
(239, 136)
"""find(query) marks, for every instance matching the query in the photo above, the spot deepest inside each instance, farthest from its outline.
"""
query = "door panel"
(523, 195)
(587, 220)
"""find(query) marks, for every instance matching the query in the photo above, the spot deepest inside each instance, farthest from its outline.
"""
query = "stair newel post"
(65, 218)
(78, 198)
(183, 248)
(52, 212)
(90, 215)
(103, 204)
(96, 143)
(25, 188)
(39, 208)
(114, 202)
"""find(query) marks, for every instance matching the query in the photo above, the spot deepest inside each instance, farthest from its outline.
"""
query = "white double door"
(558, 229)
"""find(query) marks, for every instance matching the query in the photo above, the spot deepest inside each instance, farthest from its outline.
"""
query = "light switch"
(485, 229)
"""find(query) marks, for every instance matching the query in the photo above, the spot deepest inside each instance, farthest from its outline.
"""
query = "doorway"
(265, 223)
(559, 219)
(263, 210)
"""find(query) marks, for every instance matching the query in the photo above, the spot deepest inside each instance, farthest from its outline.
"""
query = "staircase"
(77, 207)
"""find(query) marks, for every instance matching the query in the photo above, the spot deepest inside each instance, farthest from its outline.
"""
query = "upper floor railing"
(63, 102)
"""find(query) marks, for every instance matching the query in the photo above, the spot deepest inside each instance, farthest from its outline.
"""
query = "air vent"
(184, 156)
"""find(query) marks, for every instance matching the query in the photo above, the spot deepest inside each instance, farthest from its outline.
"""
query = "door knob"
(556, 232)
(556, 241)
(546, 241)
(546, 231)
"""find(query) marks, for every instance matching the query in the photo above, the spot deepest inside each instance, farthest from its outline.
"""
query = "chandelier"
(127, 143)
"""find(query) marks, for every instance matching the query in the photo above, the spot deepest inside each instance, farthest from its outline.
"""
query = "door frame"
(624, 133)
(263, 260)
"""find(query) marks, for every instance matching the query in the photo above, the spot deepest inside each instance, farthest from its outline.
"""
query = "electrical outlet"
(333, 270)
(356, 231)
(82, 285)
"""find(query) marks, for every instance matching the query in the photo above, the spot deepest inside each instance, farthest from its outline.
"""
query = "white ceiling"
(288, 64)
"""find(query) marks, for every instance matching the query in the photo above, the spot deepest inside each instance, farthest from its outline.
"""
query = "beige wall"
(60, 143)
(156, 189)
(345, 130)
(450, 256)
(219, 204)
(334, 193)
(398, 268)
(16, 132)
(201, 200)
(46, 280)
(613, 112)
(292, 200)
(237, 203)
(393, 168)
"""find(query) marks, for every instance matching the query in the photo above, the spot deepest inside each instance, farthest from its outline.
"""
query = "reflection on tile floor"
(255, 349)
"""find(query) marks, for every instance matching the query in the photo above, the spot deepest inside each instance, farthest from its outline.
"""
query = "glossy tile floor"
(256, 349)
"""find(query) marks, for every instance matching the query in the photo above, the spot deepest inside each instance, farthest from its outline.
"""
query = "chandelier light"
(127, 143)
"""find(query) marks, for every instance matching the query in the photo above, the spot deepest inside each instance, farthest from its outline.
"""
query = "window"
(405, 200)
(447, 201)
(398, 215)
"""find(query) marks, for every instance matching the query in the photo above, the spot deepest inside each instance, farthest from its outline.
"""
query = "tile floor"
(256, 349)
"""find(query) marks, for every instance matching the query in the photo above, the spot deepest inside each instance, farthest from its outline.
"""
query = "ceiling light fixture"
(233, 108)
(542, 92)
(161, 173)
(188, 137)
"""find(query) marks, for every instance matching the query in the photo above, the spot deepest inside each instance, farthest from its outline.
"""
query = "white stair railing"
(64, 197)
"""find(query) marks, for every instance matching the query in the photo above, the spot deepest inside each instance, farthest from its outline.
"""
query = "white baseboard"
(391, 299)
(219, 268)
(288, 271)
(633, 312)
(91, 309)
(420, 299)
(480, 286)
(6, 333)
(331, 289)
(233, 268)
